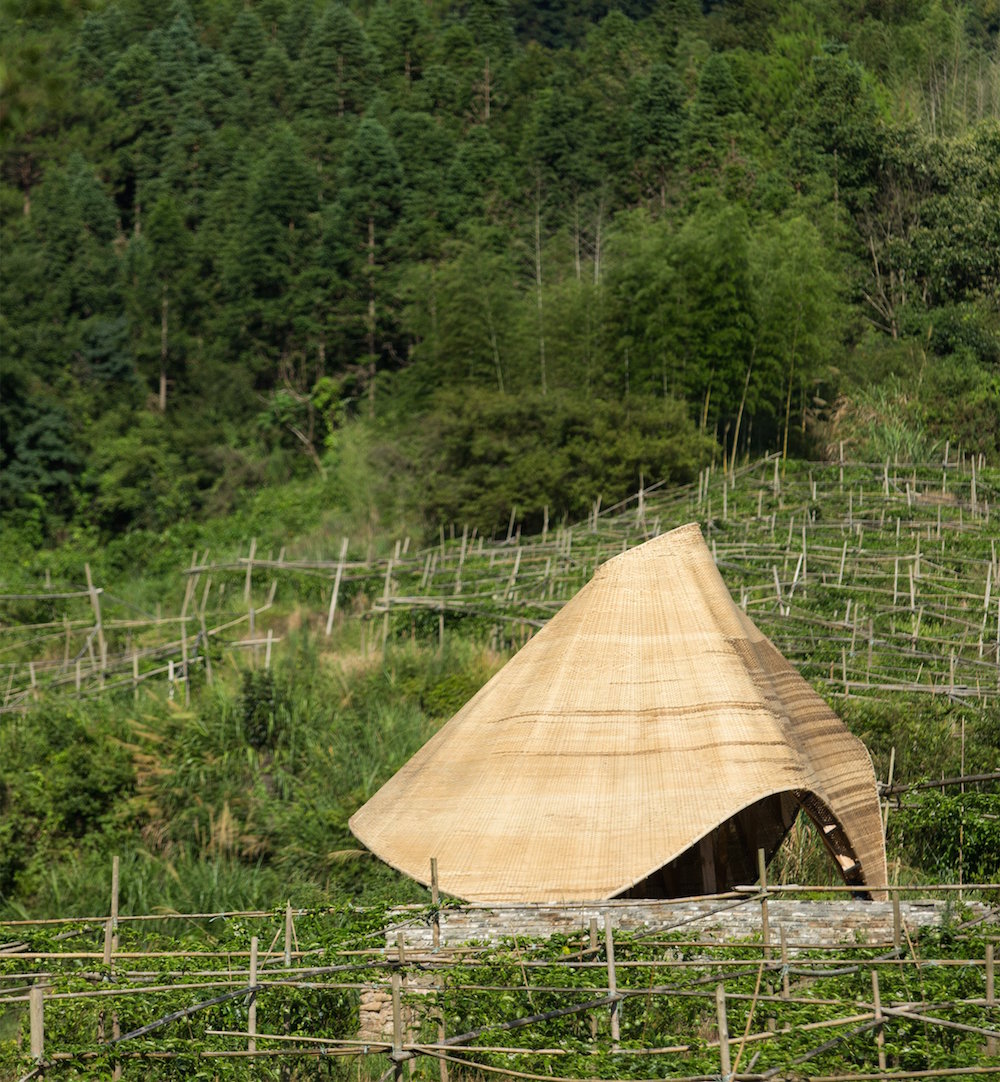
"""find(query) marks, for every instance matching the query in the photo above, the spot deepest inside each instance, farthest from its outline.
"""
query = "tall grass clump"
(235, 800)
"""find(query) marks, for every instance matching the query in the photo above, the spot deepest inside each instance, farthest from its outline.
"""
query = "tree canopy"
(229, 229)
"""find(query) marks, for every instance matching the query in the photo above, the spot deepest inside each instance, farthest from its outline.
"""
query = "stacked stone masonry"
(806, 924)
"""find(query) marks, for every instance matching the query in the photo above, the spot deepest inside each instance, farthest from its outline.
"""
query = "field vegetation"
(483, 292)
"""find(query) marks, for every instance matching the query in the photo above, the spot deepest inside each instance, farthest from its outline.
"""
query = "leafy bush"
(480, 454)
(951, 833)
(65, 780)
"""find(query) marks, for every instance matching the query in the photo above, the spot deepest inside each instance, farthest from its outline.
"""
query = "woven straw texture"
(649, 711)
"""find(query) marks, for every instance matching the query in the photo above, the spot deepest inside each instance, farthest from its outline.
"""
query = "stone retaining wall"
(806, 924)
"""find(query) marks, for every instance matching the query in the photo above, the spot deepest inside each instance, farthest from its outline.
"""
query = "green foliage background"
(242, 241)
(300, 269)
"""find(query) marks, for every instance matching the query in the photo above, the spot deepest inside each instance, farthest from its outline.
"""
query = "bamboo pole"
(593, 952)
(879, 1028)
(36, 1011)
(397, 1027)
(386, 600)
(435, 902)
(249, 576)
(609, 945)
(335, 594)
(95, 603)
(991, 999)
(252, 1009)
(725, 1062)
(765, 932)
(785, 989)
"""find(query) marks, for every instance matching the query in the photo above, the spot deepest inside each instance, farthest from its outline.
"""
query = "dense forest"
(514, 252)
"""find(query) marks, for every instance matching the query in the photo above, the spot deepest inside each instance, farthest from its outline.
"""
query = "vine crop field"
(278, 994)
(879, 581)
(870, 578)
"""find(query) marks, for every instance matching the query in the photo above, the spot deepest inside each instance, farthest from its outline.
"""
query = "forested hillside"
(576, 242)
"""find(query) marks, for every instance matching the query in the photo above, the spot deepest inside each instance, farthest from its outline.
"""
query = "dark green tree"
(360, 233)
(336, 71)
(656, 130)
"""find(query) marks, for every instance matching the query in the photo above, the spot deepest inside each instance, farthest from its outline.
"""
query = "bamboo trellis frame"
(396, 967)
(870, 577)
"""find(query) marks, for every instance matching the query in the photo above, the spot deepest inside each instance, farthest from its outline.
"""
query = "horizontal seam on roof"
(692, 708)
(606, 753)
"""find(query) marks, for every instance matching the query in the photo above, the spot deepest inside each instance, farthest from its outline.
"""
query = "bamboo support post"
(879, 1034)
(725, 1062)
(785, 990)
(95, 602)
(111, 946)
(397, 1025)
(111, 925)
(885, 808)
(249, 576)
(206, 652)
(386, 600)
(609, 945)
(441, 1040)
(252, 1008)
(991, 996)
(335, 594)
(435, 902)
(288, 934)
(593, 951)
(765, 932)
(192, 582)
(461, 560)
(36, 1009)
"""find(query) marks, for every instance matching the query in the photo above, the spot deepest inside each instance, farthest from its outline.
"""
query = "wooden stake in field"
(252, 1008)
(725, 1062)
(765, 931)
(609, 945)
(36, 1008)
(336, 586)
(879, 1034)
(95, 602)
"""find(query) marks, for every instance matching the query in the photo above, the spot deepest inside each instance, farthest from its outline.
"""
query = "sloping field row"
(648, 990)
(869, 577)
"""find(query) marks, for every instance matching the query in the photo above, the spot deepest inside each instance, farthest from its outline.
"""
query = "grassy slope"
(241, 797)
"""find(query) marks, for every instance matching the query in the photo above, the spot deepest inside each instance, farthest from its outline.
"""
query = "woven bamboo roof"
(646, 715)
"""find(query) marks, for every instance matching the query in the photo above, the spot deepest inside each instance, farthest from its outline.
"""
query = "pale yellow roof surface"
(647, 712)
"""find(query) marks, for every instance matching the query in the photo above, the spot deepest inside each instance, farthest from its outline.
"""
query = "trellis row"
(413, 964)
(869, 577)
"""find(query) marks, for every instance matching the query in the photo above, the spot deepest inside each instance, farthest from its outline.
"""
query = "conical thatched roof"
(647, 740)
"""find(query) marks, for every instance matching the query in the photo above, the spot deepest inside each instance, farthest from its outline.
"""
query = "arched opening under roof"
(727, 856)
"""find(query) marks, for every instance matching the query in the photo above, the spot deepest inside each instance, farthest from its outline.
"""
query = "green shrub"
(480, 454)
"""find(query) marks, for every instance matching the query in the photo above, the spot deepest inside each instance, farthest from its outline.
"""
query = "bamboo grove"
(243, 239)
